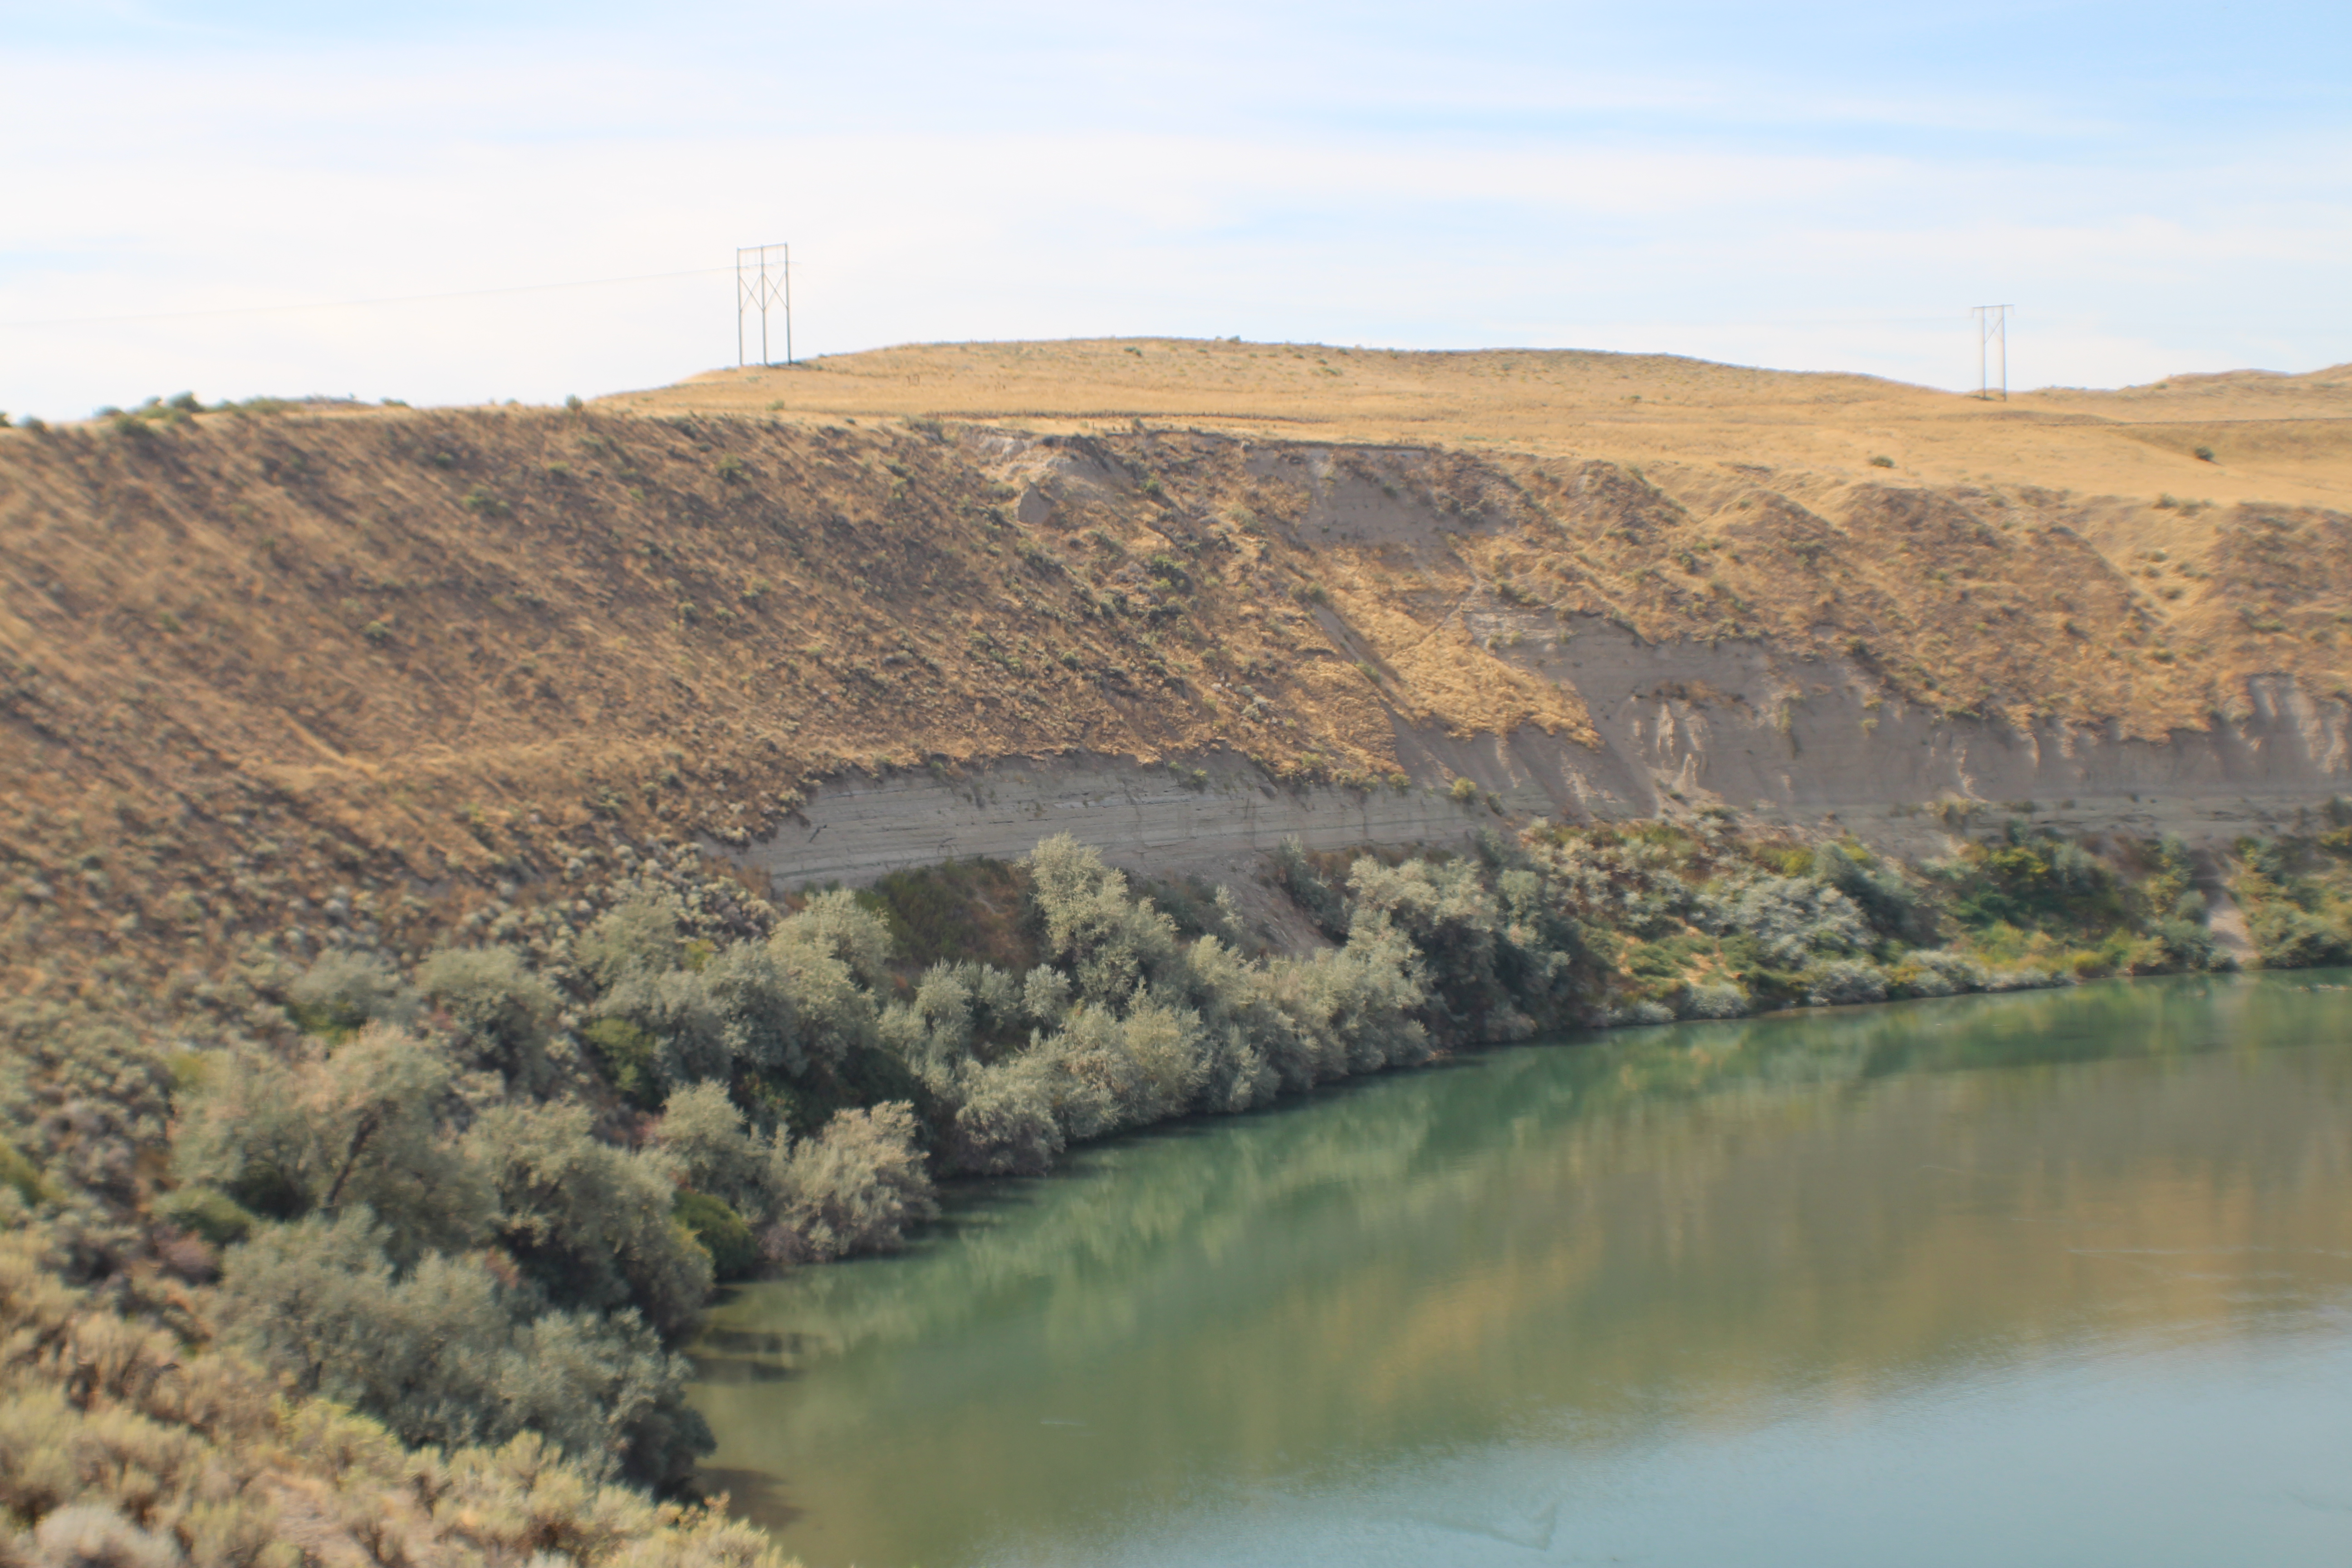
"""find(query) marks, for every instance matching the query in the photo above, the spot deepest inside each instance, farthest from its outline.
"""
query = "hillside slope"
(266, 665)
(415, 995)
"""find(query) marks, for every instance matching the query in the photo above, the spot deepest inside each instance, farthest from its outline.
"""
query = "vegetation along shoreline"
(468, 1222)
(407, 1017)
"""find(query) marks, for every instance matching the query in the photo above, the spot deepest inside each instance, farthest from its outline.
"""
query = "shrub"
(1888, 901)
(835, 925)
(343, 989)
(1452, 923)
(1355, 1010)
(1006, 1124)
(1793, 918)
(21, 1174)
(625, 1053)
(2287, 937)
(1240, 1027)
(858, 1186)
(1117, 1072)
(1844, 981)
(502, 1008)
(1309, 889)
(590, 1223)
(1045, 995)
(671, 1031)
(1714, 1000)
(444, 1353)
(960, 1010)
(721, 1232)
(205, 1213)
(201, 1449)
(787, 1006)
(92, 1535)
(1110, 944)
(638, 936)
(355, 1126)
(1936, 972)
(702, 1129)
(2187, 942)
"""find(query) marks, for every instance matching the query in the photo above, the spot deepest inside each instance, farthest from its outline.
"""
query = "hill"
(420, 982)
(263, 661)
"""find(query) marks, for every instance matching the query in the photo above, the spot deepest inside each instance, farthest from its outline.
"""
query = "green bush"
(207, 1212)
(2287, 937)
(592, 1224)
(639, 936)
(502, 1007)
(1312, 891)
(858, 1186)
(625, 1054)
(443, 1352)
(344, 989)
(721, 1232)
(20, 1173)
(358, 1126)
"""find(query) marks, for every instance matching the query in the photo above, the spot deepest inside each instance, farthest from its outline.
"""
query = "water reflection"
(1485, 1286)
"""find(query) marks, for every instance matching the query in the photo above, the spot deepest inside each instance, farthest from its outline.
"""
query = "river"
(2056, 1278)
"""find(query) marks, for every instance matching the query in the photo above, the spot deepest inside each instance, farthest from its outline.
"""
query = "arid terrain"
(282, 662)
(422, 983)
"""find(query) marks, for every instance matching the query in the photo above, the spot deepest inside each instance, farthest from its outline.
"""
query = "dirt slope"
(272, 667)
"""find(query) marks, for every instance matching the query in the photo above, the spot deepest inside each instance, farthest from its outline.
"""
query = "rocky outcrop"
(1681, 726)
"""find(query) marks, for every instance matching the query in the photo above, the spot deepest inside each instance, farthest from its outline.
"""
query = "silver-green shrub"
(343, 989)
(502, 1007)
(1793, 919)
(1838, 982)
(858, 1186)
(445, 1351)
(590, 1222)
(359, 1125)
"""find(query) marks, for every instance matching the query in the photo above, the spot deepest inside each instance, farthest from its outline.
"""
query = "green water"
(2060, 1277)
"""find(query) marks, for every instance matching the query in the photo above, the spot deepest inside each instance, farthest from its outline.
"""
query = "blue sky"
(2158, 187)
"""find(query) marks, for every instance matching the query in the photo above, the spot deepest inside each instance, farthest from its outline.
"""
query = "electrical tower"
(1992, 345)
(763, 278)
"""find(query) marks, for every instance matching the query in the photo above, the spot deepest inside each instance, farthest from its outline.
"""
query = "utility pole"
(760, 283)
(1992, 328)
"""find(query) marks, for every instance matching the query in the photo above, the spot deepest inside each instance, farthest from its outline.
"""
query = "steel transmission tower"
(763, 278)
(1992, 344)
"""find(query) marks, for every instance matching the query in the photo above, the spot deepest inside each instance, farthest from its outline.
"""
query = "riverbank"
(510, 1174)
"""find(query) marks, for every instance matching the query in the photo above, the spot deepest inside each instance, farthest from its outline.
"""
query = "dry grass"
(247, 659)
(2286, 440)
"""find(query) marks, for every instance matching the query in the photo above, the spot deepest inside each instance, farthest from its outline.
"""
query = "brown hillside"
(255, 665)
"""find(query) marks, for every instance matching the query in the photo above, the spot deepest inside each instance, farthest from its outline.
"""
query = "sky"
(458, 203)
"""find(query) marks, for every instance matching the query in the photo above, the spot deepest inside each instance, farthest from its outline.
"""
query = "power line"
(757, 288)
(357, 304)
(1992, 328)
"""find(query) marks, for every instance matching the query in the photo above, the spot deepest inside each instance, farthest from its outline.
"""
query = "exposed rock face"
(1226, 813)
(1745, 726)
(248, 659)
(1681, 725)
